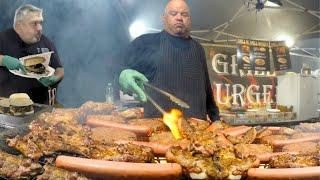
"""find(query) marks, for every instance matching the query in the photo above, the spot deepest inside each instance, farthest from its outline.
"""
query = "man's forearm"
(59, 73)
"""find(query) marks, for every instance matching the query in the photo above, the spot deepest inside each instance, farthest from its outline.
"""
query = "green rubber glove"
(48, 81)
(130, 81)
(12, 63)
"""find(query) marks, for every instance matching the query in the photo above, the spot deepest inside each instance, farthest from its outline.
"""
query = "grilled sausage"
(236, 131)
(138, 130)
(119, 170)
(280, 143)
(285, 173)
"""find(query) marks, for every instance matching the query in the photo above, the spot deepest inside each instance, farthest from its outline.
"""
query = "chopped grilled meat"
(15, 167)
(208, 143)
(226, 159)
(53, 173)
(293, 161)
(132, 113)
(49, 134)
(287, 131)
(194, 162)
(97, 108)
(109, 135)
(26, 146)
(155, 123)
(245, 150)
(269, 139)
(247, 138)
(219, 166)
(263, 132)
(122, 152)
(309, 148)
(163, 138)
(198, 124)
(38, 69)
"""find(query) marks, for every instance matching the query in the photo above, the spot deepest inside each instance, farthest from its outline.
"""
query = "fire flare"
(173, 121)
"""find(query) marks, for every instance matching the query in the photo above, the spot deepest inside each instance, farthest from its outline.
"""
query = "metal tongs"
(172, 98)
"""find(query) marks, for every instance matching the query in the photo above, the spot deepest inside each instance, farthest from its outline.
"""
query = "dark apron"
(180, 72)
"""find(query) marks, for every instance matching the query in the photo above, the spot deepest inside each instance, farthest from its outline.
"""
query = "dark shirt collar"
(178, 42)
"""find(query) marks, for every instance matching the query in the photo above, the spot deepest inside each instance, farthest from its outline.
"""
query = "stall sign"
(281, 56)
(243, 54)
(259, 55)
(236, 87)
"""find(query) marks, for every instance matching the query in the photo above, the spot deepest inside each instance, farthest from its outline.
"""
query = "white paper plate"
(34, 75)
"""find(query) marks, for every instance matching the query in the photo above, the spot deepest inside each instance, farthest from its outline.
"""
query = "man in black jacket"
(172, 61)
(25, 38)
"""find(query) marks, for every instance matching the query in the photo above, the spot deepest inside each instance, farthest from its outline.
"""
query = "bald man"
(172, 61)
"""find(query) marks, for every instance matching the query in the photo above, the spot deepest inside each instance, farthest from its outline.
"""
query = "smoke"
(88, 36)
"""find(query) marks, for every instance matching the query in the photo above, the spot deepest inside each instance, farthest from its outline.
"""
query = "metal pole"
(301, 7)
(311, 54)
(227, 25)
(302, 55)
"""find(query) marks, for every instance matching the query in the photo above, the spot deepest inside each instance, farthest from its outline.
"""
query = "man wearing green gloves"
(25, 38)
(172, 61)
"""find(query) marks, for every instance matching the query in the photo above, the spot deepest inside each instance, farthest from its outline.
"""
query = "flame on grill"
(173, 121)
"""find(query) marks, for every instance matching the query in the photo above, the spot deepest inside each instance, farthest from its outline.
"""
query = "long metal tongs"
(172, 97)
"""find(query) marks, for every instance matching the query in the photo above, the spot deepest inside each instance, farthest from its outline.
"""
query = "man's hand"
(12, 63)
(48, 81)
(132, 81)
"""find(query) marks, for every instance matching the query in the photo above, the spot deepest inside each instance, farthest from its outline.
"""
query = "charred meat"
(247, 138)
(293, 161)
(122, 152)
(52, 173)
(245, 150)
(309, 148)
(15, 167)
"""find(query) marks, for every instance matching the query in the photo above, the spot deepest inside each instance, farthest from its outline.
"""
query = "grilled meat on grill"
(208, 143)
(269, 139)
(53, 173)
(15, 167)
(218, 166)
(197, 124)
(309, 148)
(293, 161)
(132, 113)
(155, 123)
(263, 132)
(96, 108)
(122, 152)
(109, 135)
(164, 138)
(50, 134)
(247, 138)
(245, 150)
